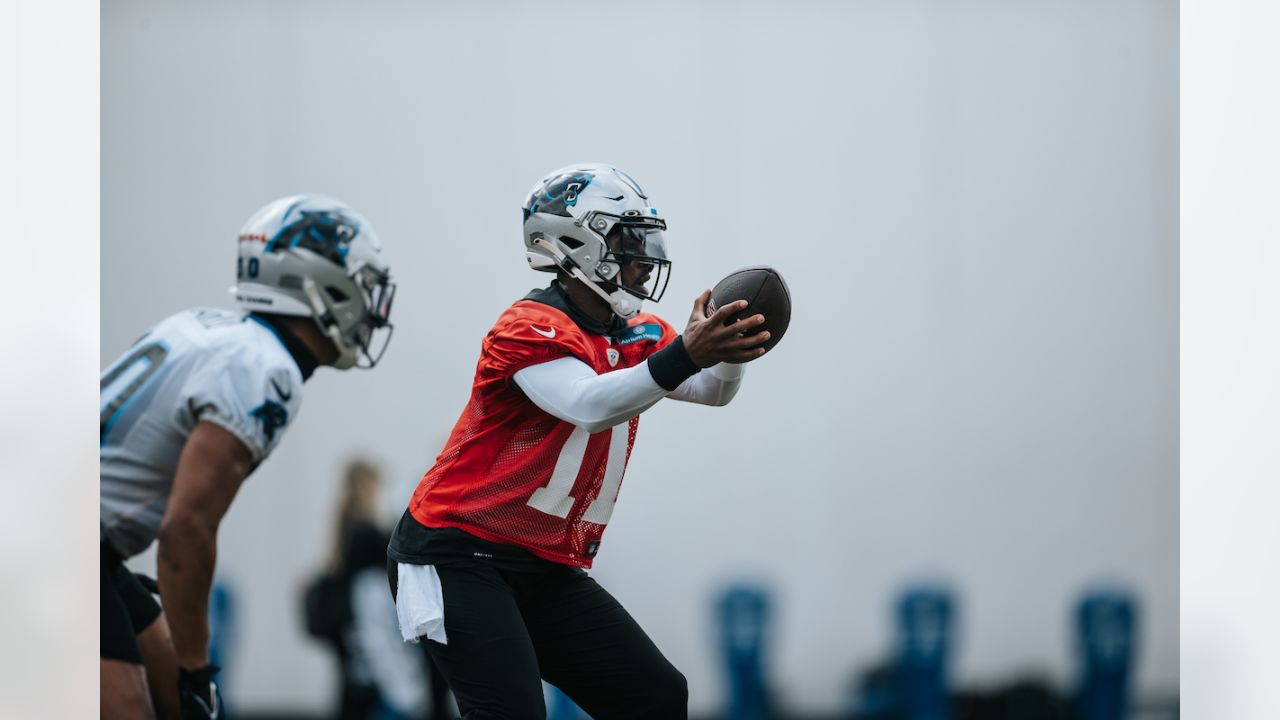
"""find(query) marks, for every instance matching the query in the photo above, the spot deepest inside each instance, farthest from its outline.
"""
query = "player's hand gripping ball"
(766, 293)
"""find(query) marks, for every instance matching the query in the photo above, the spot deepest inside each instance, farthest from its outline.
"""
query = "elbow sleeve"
(571, 391)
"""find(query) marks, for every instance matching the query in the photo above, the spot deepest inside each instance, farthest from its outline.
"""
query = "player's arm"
(705, 363)
(715, 385)
(571, 390)
(210, 470)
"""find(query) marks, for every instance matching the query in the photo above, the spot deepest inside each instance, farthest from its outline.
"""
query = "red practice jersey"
(512, 473)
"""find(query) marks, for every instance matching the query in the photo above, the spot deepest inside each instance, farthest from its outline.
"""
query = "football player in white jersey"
(192, 408)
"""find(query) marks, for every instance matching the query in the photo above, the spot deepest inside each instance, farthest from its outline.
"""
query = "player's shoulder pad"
(535, 322)
(529, 333)
(275, 402)
(248, 383)
(269, 375)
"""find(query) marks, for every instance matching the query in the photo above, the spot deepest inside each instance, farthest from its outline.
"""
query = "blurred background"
(953, 488)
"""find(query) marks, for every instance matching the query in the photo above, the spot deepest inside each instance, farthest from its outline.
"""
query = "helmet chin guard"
(624, 304)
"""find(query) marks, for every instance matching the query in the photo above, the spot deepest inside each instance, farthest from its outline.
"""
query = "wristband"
(672, 365)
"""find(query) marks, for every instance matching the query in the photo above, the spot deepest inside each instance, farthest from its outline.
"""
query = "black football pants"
(126, 609)
(509, 630)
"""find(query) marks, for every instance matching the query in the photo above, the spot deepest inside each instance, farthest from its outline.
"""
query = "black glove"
(198, 694)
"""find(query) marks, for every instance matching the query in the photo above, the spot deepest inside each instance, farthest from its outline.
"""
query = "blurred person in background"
(488, 563)
(188, 412)
(348, 607)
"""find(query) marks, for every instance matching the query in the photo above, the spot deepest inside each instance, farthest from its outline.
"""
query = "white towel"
(420, 603)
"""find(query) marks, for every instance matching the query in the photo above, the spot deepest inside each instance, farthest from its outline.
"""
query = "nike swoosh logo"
(283, 395)
(544, 333)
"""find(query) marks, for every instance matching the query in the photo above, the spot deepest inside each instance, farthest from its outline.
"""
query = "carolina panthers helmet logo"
(272, 415)
(558, 194)
(327, 233)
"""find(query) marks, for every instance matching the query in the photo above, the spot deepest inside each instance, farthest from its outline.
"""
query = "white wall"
(975, 204)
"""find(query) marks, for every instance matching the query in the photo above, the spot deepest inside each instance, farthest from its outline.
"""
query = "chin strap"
(346, 356)
(624, 304)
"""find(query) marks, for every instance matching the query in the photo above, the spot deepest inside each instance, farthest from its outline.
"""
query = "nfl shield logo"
(613, 357)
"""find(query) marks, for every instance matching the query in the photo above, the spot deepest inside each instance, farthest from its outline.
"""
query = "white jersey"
(223, 367)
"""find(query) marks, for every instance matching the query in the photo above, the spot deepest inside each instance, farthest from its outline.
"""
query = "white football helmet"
(312, 256)
(570, 219)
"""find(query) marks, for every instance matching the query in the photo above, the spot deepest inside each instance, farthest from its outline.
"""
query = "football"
(765, 292)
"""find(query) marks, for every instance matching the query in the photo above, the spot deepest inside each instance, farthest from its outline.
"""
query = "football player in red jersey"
(488, 562)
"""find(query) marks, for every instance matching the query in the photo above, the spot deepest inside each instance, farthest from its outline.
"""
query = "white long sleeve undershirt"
(570, 390)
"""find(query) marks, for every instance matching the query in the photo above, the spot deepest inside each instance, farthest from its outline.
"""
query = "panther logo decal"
(324, 232)
(272, 415)
(558, 194)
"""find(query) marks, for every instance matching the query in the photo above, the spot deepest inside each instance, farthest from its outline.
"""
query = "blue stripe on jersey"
(147, 375)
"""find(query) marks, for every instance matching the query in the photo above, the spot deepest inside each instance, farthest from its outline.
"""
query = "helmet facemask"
(635, 263)
(359, 327)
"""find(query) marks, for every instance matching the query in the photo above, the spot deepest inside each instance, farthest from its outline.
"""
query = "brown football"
(765, 292)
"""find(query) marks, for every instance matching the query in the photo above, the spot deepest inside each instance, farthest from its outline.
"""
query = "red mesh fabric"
(504, 448)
